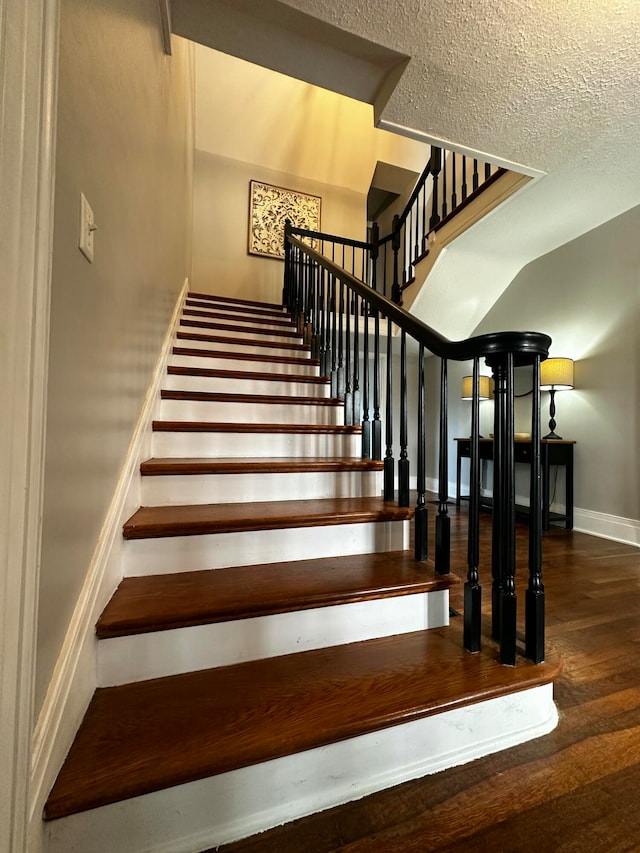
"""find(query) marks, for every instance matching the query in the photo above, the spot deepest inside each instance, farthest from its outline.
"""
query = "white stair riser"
(166, 555)
(233, 385)
(241, 334)
(143, 656)
(176, 489)
(238, 364)
(235, 805)
(236, 445)
(255, 413)
(237, 320)
(242, 347)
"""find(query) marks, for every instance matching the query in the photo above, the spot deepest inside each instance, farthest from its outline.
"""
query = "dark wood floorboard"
(572, 791)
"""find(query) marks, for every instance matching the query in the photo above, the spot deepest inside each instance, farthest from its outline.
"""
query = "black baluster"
(487, 171)
(445, 208)
(421, 513)
(355, 411)
(341, 379)
(476, 179)
(395, 245)
(384, 271)
(334, 364)
(464, 177)
(454, 192)
(366, 423)
(472, 589)
(348, 387)
(534, 599)
(324, 323)
(424, 218)
(403, 244)
(443, 522)
(403, 462)
(388, 488)
(376, 429)
(436, 163)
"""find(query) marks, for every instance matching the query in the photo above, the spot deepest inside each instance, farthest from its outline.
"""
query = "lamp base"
(552, 437)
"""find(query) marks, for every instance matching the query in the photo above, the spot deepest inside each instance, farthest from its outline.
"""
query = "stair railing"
(339, 313)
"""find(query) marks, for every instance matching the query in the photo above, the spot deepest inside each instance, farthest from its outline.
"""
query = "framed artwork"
(269, 207)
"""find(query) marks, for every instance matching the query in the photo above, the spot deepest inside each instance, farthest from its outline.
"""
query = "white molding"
(164, 7)
(605, 526)
(238, 804)
(28, 81)
(421, 136)
(74, 676)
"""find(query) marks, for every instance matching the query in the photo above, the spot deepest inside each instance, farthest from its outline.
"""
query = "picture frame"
(269, 207)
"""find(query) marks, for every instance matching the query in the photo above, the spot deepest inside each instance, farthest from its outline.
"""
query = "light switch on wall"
(87, 228)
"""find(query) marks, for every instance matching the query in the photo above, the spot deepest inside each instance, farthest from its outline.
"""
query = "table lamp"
(485, 383)
(556, 374)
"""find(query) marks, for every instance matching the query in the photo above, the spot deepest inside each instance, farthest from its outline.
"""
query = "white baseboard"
(74, 676)
(615, 527)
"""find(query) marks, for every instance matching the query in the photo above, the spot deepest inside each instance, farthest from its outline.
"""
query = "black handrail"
(315, 286)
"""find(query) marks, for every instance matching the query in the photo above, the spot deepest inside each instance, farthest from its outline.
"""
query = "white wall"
(586, 295)
(125, 140)
(255, 123)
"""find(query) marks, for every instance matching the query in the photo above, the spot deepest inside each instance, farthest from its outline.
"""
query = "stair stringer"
(74, 677)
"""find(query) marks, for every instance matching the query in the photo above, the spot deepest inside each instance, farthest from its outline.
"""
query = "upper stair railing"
(341, 314)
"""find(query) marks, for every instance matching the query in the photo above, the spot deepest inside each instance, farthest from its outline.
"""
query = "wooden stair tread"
(256, 465)
(251, 342)
(290, 429)
(213, 314)
(147, 736)
(250, 330)
(162, 602)
(245, 356)
(232, 300)
(217, 373)
(224, 397)
(194, 519)
(239, 310)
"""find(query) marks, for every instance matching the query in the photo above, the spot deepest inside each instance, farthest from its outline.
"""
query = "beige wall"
(586, 295)
(255, 123)
(221, 263)
(124, 139)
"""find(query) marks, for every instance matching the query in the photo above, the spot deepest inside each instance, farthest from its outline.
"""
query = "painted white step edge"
(176, 489)
(236, 445)
(246, 385)
(205, 360)
(154, 655)
(238, 804)
(243, 412)
(166, 555)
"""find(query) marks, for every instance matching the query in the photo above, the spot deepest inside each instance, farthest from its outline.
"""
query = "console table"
(552, 452)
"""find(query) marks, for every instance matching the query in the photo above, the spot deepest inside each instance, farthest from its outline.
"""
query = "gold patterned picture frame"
(269, 207)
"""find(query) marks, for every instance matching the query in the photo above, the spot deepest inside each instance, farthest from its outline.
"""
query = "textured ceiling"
(538, 82)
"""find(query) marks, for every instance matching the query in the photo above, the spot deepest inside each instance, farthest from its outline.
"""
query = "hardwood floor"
(574, 790)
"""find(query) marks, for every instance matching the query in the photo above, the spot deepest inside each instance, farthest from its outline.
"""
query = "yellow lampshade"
(556, 373)
(485, 387)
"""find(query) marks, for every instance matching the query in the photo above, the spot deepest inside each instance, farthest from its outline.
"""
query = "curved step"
(225, 316)
(249, 345)
(241, 329)
(250, 304)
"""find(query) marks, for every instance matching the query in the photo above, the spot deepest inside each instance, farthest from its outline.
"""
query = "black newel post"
(472, 589)
(388, 488)
(443, 522)
(287, 285)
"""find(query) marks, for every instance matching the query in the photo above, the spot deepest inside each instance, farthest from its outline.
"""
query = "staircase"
(271, 649)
